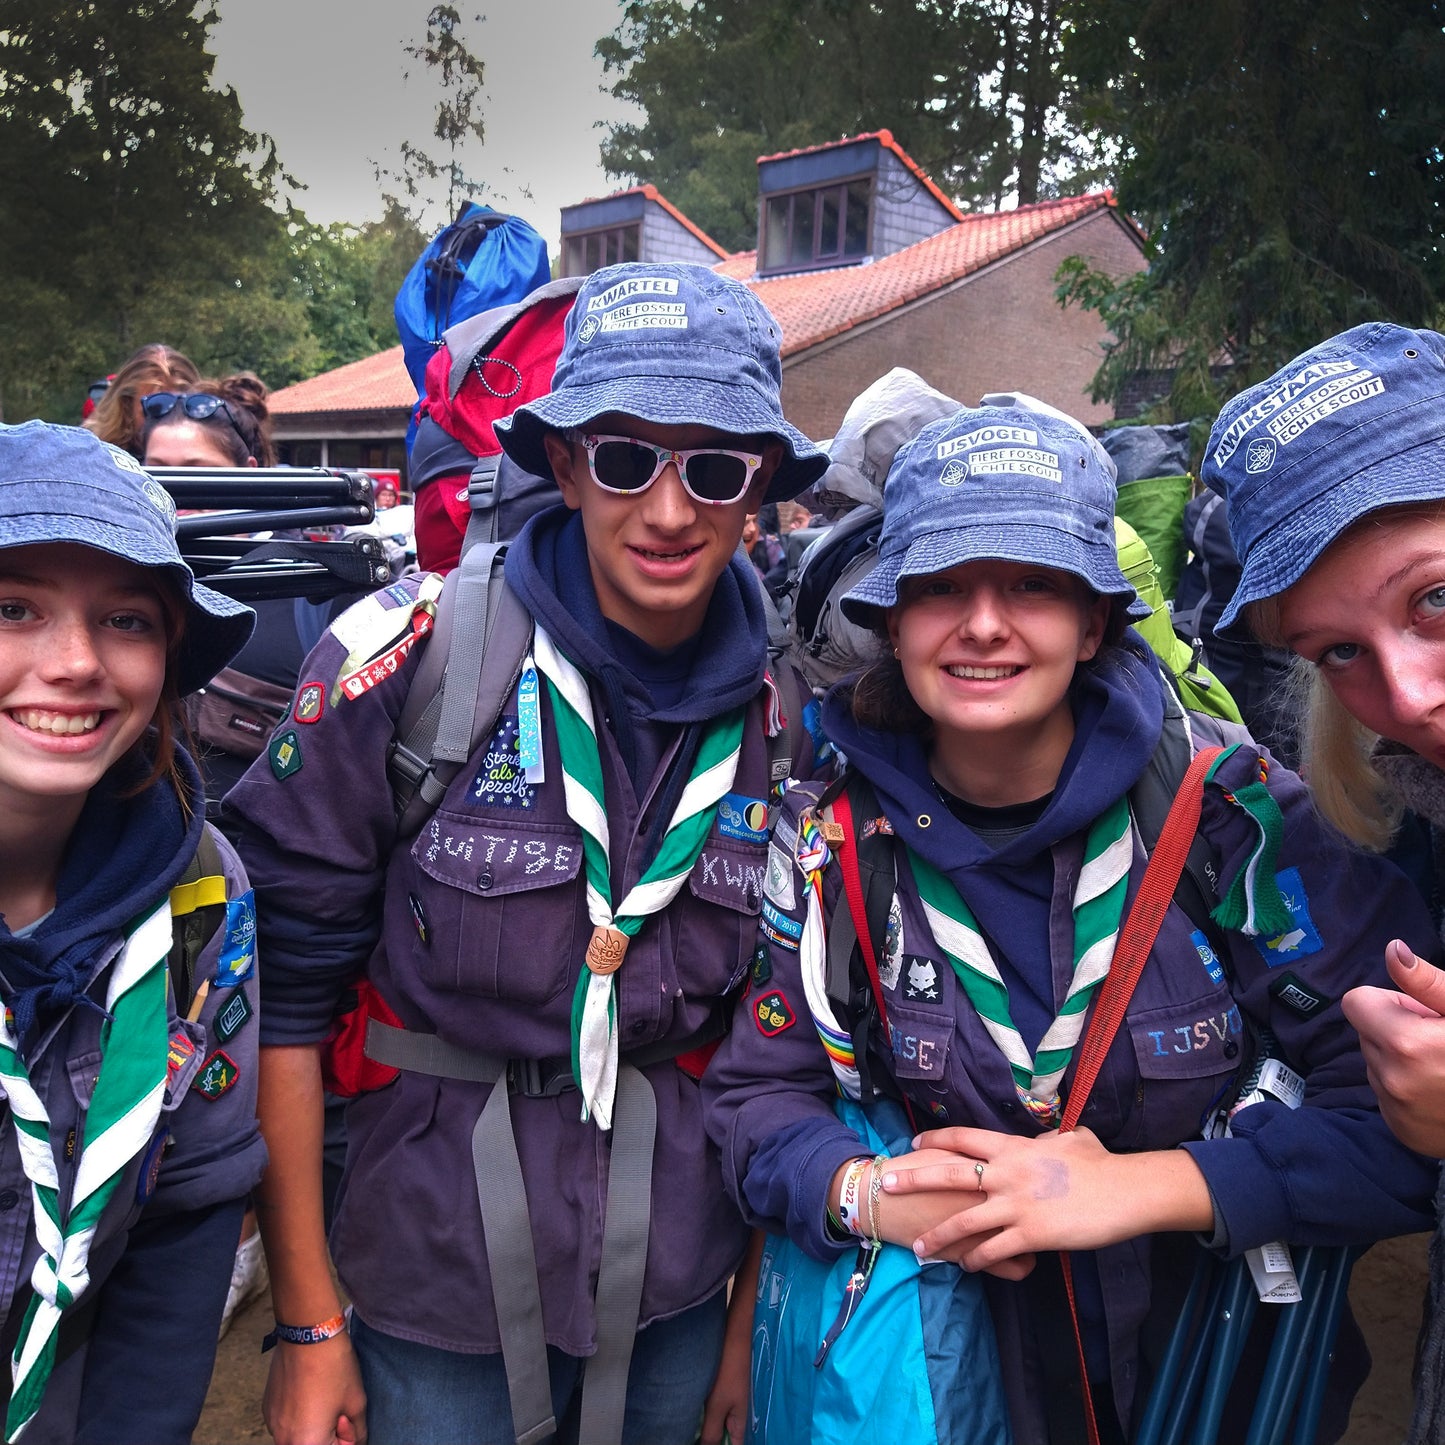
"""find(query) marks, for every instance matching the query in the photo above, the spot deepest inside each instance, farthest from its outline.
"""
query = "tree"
(1286, 160)
(134, 204)
(974, 90)
(445, 54)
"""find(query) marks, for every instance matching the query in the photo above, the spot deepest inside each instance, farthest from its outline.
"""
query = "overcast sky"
(324, 79)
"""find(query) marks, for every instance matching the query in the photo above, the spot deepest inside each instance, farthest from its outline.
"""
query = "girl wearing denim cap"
(130, 1072)
(998, 745)
(1333, 472)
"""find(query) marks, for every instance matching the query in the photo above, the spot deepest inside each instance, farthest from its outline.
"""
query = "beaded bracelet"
(305, 1334)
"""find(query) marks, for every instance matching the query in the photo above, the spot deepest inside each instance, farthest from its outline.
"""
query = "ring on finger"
(978, 1172)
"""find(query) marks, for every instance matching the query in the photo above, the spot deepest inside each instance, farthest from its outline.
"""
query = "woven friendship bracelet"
(305, 1334)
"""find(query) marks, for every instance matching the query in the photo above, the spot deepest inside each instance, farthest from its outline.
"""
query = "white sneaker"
(249, 1279)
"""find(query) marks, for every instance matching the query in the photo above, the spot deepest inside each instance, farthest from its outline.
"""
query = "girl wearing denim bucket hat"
(126, 958)
(1002, 752)
(1333, 471)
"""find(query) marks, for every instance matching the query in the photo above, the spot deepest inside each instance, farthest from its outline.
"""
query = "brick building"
(866, 264)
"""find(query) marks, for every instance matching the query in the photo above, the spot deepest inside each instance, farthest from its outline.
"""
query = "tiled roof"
(812, 306)
(884, 138)
(375, 383)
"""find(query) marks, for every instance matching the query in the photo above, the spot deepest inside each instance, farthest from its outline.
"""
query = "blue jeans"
(418, 1395)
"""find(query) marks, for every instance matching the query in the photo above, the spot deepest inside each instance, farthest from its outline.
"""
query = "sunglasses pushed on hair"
(197, 405)
(626, 466)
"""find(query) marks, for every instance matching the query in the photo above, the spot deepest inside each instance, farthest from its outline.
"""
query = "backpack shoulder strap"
(473, 661)
(198, 904)
(1151, 798)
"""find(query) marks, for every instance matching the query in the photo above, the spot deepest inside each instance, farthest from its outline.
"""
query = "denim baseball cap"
(63, 484)
(1352, 425)
(673, 344)
(996, 482)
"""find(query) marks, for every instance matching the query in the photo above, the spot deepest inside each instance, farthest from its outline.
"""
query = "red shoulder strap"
(1136, 938)
(847, 855)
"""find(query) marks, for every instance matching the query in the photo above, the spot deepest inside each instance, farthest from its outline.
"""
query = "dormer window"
(822, 226)
(587, 251)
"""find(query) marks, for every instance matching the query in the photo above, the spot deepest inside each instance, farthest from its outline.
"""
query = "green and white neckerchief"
(594, 1010)
(1098, 909)
(119, 1123)
(1252, 903)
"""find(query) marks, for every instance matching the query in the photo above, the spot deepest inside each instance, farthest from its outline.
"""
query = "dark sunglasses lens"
(624, 466)
(199, 407)
(159, 404)
(716, 477)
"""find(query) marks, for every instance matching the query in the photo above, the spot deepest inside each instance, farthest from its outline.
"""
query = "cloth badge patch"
(743, 818)
(310, 701)
(218, 1075)
(1304, 937)
(920, 980)
(891, 964)
(1298, 997)
(779, 923)
(178, 1054)
(762, 965)
(1207, 956)
(418, 916)
(872, 826)
(364, 678)
(501, 781)
(231, 1019)
(238, 952)
(773, 1014)
(284, 753)
(150, 1169)
(778, 881)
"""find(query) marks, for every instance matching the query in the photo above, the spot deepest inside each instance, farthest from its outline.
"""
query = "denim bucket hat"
(996, 482)
(63, 484)
(1352, 425)
(673, 344)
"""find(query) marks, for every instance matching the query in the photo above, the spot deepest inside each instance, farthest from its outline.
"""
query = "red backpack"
(486, 367)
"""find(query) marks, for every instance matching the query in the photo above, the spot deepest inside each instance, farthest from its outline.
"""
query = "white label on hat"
(1017, 461)
(1281, 396)
(986, 435)
(1333, 396)
(125, 461)
(671, 315)
(642, 286)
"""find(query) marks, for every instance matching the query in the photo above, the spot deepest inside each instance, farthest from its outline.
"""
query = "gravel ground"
(1385, 1292)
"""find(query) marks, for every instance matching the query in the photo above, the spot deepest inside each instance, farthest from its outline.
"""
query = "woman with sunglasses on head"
(223, 423)
(999, 752)
(117, 417)
(127, 959)
(1333, 472)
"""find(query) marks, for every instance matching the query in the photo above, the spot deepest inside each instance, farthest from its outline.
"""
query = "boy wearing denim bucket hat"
(532, 1228)
(1333, 472)
(134, 1140)
(998, 751)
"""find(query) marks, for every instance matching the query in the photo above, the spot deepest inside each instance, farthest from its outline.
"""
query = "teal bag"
(916, 1362)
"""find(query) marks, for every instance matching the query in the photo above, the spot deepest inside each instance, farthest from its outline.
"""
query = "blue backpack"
(916, 1361)
(482, 260)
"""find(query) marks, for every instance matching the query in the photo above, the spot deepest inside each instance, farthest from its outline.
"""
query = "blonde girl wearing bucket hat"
(130, 1140)
(996, 743)
(1333, 471)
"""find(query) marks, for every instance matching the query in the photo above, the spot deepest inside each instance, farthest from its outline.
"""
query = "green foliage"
(972, 89)
(135, 206)
(447, 57)
(1287, 161)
